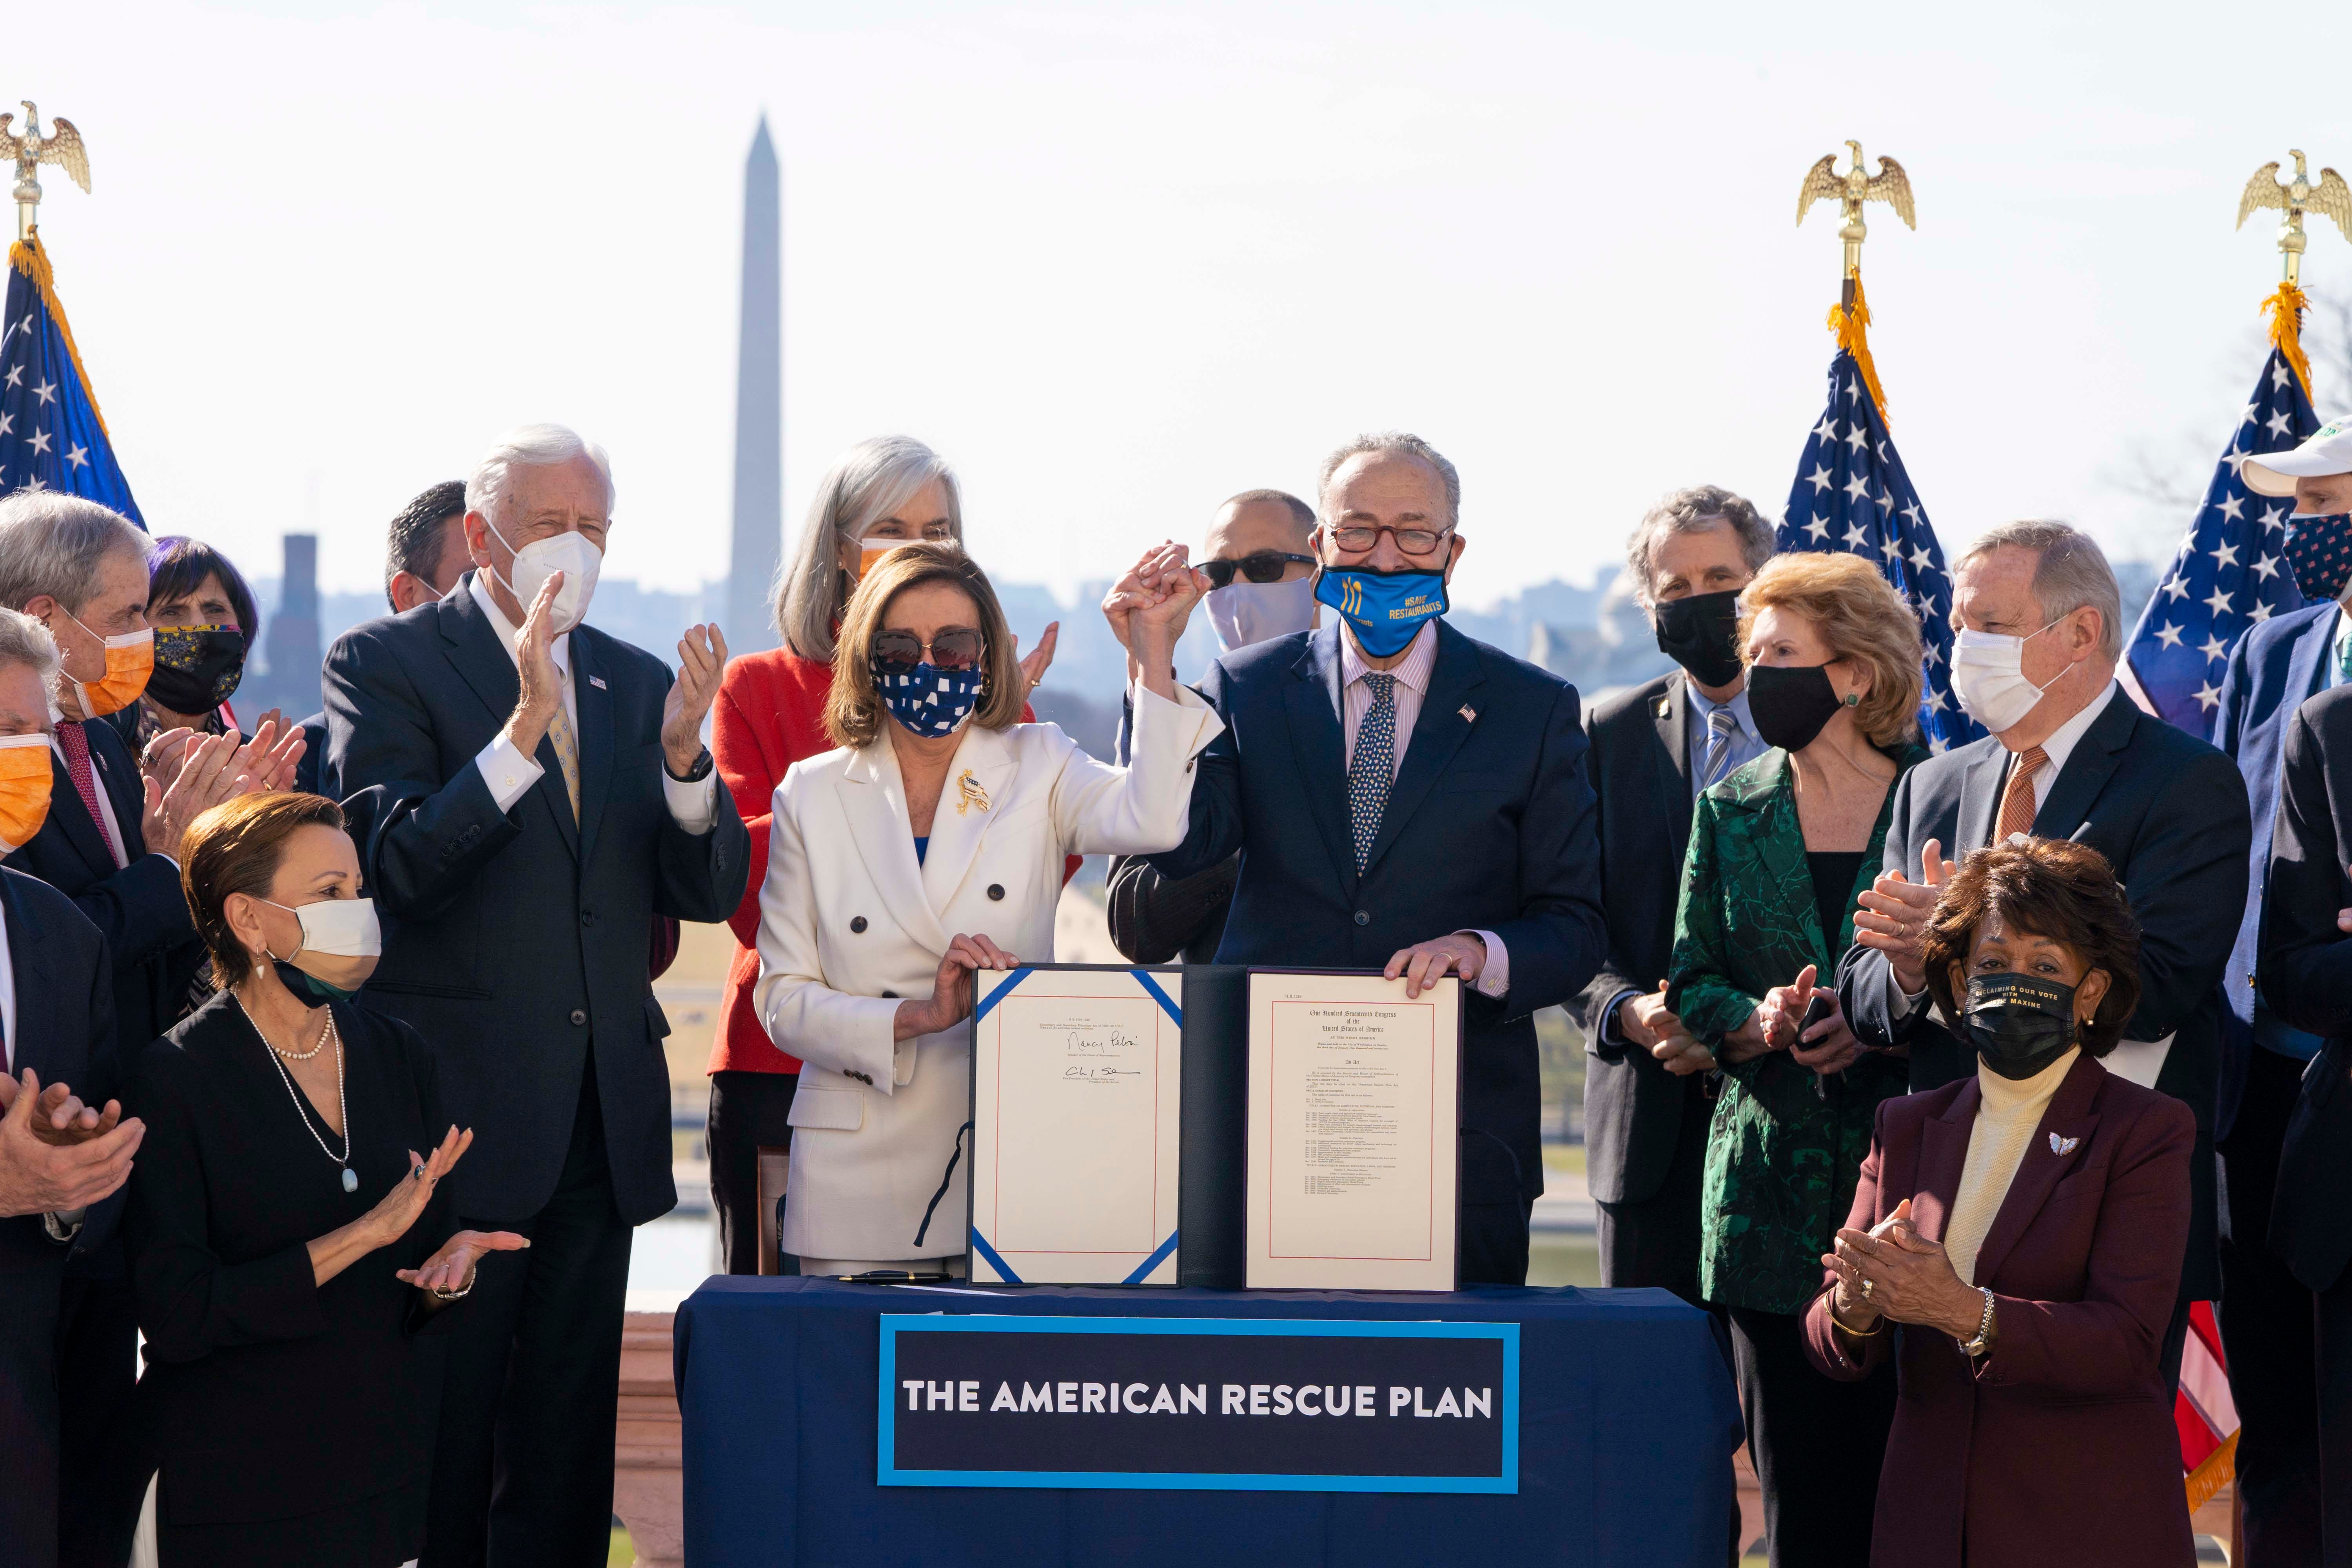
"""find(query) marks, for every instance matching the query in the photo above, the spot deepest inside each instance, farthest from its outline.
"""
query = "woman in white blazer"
(932, 845)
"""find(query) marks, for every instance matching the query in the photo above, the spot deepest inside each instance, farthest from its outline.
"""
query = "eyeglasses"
(951, 648)
(1356, 537)
(1259, 566)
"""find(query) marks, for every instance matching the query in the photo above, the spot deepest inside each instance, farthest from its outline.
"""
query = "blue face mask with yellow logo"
(1386, 609)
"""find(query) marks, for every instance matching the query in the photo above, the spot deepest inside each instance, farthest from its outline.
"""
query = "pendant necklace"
(342, 1106)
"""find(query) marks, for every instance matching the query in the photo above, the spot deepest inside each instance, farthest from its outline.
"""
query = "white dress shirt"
(2059, 747)
(510, 774)
(1413, 675)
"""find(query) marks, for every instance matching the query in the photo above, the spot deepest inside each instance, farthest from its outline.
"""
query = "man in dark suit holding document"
(1407, 798)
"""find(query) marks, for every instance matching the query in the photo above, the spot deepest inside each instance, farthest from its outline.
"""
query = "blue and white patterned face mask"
(927, 700)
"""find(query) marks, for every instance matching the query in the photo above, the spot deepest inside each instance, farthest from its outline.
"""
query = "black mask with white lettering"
(1701, 633)
(2019, 1024)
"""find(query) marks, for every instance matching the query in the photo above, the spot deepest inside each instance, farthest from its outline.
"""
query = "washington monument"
(759, 407)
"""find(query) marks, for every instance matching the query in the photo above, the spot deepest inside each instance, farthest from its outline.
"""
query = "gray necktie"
(1372, 769)
(1722, 724)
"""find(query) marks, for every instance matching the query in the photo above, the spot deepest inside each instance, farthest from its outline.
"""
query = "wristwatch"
(1983, 1342)
(697, 773)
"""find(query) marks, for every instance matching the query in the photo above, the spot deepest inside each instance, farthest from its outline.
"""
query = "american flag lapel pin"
(598, 682)
(1469, 714)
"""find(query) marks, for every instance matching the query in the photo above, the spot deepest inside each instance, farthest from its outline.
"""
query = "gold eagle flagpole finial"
(2331, 198)
(1850, 190)
(63, 147)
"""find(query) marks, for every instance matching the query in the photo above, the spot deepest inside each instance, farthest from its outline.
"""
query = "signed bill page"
(1076, 1080)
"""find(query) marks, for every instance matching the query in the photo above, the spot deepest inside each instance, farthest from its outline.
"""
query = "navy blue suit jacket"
(65, 1031)
(151, 939)
(2273, 669)
(1490, 826)
(513, 939)
(309, 767)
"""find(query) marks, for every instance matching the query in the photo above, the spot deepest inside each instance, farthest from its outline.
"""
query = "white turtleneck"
(2008, 1112)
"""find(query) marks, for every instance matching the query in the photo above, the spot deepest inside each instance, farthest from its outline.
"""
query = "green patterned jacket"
(1782, 1155)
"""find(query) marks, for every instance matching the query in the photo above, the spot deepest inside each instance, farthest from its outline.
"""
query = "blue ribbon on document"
(993, 997)
(980, 1245)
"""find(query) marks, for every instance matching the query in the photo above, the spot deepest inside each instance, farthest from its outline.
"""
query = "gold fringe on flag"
(1851, 324)
(28, 258)
(2220, 1465)
(2286, 310)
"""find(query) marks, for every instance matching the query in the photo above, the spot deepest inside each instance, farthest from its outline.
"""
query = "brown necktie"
(2017, 805)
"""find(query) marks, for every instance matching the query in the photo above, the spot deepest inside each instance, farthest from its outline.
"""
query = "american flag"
(2230, 571)
(1853, 495)
(51, 437)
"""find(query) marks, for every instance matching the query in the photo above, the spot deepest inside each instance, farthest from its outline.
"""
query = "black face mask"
(1700, 633)
(2019, 1024)
(197, 668)
(1790, 703)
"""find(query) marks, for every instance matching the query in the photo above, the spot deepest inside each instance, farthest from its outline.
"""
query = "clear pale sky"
(1119, 263)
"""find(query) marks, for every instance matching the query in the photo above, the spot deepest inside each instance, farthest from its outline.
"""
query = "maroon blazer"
(2058, 1444)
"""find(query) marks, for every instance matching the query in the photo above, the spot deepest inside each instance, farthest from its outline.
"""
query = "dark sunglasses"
(1265, 566)
(956, 647)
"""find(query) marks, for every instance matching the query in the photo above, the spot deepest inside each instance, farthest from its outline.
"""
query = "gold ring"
(1866, 1289)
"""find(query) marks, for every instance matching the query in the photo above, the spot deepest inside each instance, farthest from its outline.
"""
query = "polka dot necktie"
(1372, 769)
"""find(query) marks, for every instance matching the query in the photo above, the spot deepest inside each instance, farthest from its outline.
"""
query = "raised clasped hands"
(1893, 915)
(1892, 1271)
(1647, 1021)
(57, 1154)
(950, 1003)
(701, 662)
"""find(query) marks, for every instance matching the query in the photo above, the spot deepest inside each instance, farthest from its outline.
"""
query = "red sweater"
(769, 714)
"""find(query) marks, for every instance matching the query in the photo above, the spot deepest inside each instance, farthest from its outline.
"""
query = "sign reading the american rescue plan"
(1258, 1403)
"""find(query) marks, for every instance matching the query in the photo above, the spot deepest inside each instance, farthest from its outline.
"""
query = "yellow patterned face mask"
(23, 789)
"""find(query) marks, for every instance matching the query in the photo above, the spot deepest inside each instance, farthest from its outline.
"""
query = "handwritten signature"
(1098, 1074)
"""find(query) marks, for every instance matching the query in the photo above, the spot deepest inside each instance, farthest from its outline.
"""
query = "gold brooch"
(972, 795)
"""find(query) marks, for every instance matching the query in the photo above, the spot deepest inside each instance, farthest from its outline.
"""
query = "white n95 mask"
(571, 554)
(1242, 613)
(1988, 677)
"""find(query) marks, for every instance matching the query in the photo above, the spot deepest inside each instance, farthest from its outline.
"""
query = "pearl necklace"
(342, 1108)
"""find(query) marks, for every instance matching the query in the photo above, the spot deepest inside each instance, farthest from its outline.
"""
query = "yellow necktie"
(567, 756)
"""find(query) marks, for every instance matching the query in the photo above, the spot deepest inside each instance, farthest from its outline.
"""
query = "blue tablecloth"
(1628, 1423)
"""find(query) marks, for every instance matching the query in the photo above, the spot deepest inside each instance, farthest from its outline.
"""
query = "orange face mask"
(130, 660)
(868, 554)
(23, 789)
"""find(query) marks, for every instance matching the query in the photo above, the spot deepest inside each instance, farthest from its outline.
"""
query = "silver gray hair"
(530, 447)
(23, 640)
(1695, 509)
(55, 544)
(1401, 443)
(2072, 573)
(865, 485)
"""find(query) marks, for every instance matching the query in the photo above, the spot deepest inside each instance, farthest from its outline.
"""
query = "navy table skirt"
(1628, 1423)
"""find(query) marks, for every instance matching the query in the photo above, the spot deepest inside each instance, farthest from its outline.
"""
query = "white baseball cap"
(2328, 451)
